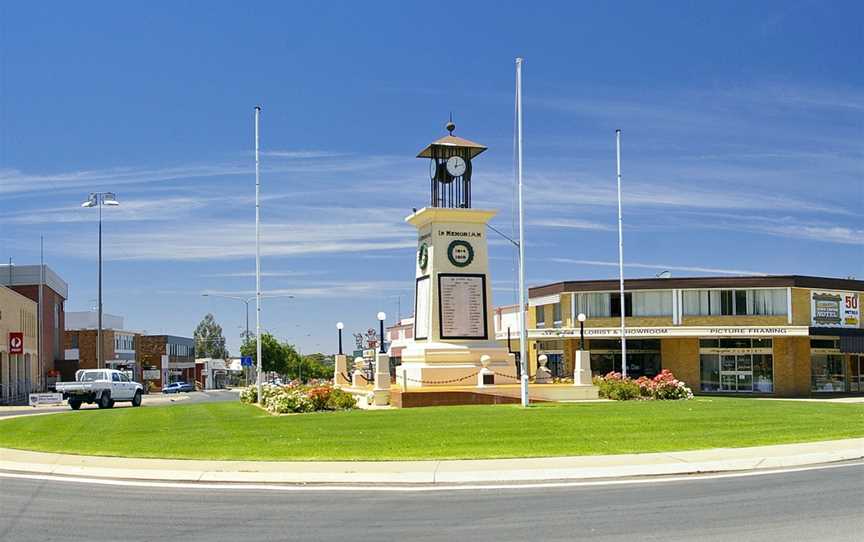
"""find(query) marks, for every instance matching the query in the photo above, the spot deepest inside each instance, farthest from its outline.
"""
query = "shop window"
(710, 371)
(763, 373)
(827, 373)
(643, 357)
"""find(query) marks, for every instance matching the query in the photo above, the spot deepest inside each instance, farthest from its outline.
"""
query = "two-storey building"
(789, 336)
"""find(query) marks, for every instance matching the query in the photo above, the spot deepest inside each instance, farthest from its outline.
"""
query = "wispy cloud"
(225, 240)
(570, 223)
(340, 289)
(661, 267)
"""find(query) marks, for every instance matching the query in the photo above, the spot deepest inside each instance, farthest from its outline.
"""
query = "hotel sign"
(835, 309)
(676, 331)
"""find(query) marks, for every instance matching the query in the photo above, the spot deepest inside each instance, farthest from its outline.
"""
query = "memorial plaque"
(421, 308)
(462, 306)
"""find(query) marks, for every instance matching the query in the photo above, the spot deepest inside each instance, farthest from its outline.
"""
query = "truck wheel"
(136, 400)
(74, 404)
(105, 401)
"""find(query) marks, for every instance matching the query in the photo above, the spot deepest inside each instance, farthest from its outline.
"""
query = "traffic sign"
(16, 342)
(246, 361)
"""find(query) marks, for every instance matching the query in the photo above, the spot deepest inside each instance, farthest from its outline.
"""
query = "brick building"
(118, 344)
(35, 282)
(165, 359)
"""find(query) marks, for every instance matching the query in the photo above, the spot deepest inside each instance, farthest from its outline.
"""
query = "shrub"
(613, 386)
(298, 398)
(341, 400)
(662, 387)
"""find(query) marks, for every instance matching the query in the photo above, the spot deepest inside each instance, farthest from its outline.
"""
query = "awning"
(852, 344)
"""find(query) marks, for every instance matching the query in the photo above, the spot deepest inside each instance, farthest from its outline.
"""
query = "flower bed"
(295, 397)
(663, 387)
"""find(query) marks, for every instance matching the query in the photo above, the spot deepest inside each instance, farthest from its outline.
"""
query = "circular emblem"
(460, 253)
(423, 256)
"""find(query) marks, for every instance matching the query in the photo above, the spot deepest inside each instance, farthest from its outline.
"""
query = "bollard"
(582, 368)
(357, 377)
(485, 377)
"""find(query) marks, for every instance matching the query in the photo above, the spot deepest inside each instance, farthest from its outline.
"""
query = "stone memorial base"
(428, 364)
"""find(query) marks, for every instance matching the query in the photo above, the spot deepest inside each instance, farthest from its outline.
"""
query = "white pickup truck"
(101, 386)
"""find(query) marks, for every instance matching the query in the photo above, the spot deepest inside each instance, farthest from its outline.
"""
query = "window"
(753, 302)
(650, 303)
(827, 373)
(825, 344)
(615, 304)
(74, 340)
(596, 305)
(710, 371)
(115, 377)
(556, 314)
(643, 357)
(540, 314)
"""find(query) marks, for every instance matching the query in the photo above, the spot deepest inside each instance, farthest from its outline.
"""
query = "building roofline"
(761, 281)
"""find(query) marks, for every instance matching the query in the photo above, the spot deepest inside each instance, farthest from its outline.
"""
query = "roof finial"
(450, 126)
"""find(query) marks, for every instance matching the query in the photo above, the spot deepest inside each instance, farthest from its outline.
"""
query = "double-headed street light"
(98, 199)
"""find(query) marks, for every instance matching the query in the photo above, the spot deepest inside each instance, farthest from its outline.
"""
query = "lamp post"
(246, 301)
(98, 199)
(339, 326)
(581, 319)
(381, 318)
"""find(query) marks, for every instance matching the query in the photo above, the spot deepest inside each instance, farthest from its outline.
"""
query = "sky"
(742, 127)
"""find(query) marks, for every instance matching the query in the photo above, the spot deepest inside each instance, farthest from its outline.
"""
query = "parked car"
(178, 387)
(101, 386)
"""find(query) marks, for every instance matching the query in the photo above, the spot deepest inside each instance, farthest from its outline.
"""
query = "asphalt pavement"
(823, 504)
(150, 400)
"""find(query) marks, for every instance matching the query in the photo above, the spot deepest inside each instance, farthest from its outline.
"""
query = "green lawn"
(237, 431)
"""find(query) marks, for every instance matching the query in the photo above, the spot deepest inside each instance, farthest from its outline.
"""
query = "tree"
(274, 356)
(317, 366)
(209, 341)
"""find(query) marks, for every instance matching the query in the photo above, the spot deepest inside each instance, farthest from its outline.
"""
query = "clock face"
(456, 166)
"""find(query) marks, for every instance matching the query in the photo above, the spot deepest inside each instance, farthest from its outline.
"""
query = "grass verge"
(237, 431)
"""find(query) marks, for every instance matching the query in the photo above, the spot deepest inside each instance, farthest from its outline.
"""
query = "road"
(825, 504)
(152, 400)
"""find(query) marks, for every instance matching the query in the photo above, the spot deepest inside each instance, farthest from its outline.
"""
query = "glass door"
(736, 373)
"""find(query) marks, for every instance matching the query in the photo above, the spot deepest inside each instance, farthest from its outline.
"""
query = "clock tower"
(453, 317)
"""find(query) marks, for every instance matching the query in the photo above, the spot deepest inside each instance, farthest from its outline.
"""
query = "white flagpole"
(523, 331)
(621, 254)
(258, 258)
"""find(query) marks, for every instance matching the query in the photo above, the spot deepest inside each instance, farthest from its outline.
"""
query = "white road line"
(423, 488)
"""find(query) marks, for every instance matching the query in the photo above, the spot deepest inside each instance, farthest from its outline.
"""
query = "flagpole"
(523, 331)
(259, 382)
(621, 255)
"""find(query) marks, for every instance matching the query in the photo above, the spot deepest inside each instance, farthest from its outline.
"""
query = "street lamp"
(98, 199)
(339, 326)
(381, 318)
(581, 319)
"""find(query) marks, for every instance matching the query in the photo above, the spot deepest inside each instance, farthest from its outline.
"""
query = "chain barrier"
(438, 382)
(496, 373)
